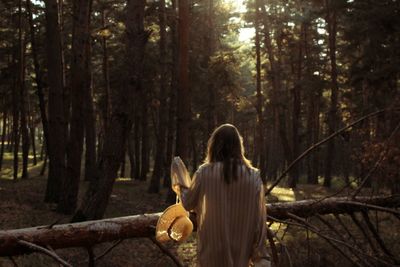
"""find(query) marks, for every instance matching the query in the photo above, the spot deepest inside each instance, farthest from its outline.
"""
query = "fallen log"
(86, 234)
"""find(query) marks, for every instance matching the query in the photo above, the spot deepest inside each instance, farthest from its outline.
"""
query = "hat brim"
(167, 218)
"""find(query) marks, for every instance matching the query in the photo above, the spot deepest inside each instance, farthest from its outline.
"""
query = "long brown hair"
(226, 145)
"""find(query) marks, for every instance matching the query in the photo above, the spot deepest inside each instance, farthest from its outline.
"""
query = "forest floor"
(21, 205)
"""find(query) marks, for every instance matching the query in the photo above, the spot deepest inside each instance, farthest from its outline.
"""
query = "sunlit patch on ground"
(123, 179)
(283, 194)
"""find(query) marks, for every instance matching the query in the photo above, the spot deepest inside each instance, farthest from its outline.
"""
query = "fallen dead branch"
(86, 234)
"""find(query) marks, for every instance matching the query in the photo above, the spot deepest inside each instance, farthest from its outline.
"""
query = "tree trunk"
(131, 155)
(43, 170)
(56, 144)
(313, 136)
(123, 162)
(32, 131)
(331, 24)
(259, 140)
(90, 133)
(80, 83)
(38, 75)
(172, 103)
(23, 114)
(210, 47)
(296, 111)
(3, 134)
(136, 139)
(106, 73)
(145, 161)
(87, 234)
(18, 83)
(183, 115)
(22, 97)
(10, 130)
(159, 164)
(99, 191)
(42, 146)
(275, 65)
(105, 101)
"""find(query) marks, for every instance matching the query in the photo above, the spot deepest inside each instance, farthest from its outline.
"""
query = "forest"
(98, 96)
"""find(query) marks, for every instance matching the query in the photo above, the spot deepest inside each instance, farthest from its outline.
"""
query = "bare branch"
(167, 252)
(313, 147)
(337, 217)
(362, 230)
(330, 240)
(45, 251)
(270, 237)
(374, 207)
(379, 161)
(306, 225)
(105, 252)
(377, 237)
(334, 230)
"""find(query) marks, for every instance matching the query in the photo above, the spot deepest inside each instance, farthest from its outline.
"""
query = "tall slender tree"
(57, 124)
(183, 112)
(331, 24)
(23, 95)
(159, 164)
(259, 147)
(80, 83)
(116, 136)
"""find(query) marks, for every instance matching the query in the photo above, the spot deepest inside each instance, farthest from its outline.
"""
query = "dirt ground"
(21, 205)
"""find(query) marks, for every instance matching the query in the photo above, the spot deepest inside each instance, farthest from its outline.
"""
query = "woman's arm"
(190, 196)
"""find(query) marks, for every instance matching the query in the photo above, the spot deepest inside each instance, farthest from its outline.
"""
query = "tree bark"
(131, 155)
(106, 73)
(183, 115)
(38, 75)
(172, 104)
(32, 131)
(210, 88)
(22, 95)
(123, 162)
(93, 232)
(23, 115)
(259, 140)
(331, 23)
(276, 81)
(56, 144)
(99, 191)
(296, 111)
(80, 83)
(3, 134)
(145, 160)
(159, 164)
(90, 136)
(136, 140)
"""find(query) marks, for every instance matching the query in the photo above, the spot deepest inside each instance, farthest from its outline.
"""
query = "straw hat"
(174, 224)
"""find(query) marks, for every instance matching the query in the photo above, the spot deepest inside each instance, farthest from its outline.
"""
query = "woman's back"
(228, 214)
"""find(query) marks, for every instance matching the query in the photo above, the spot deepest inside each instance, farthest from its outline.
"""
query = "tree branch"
(44, 251)
(313, 147)
(87, 234)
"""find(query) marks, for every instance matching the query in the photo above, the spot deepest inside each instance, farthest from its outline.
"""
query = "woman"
(227, 195)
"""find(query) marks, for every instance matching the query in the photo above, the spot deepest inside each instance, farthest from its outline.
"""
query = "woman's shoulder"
(255, 175)
(207, 165)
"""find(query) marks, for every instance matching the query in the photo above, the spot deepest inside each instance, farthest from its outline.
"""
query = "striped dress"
(230, 217)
